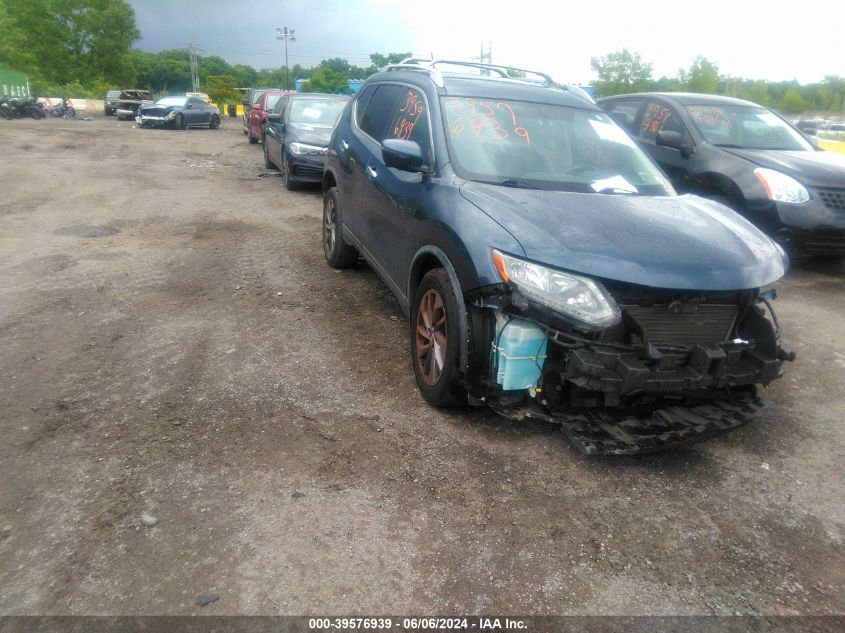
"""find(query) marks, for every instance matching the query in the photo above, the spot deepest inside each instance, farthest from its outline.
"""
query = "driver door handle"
(344, 144)
(372, 173)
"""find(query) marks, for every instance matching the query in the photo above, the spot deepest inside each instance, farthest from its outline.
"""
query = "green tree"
(14, 52)
(620, 72)
(222, 89)
(326, 80)
(703, 76)
(76, 40)
(793, 102)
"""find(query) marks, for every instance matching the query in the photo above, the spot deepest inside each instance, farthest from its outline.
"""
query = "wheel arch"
(429, 258)
(329, 180)
(715, 183)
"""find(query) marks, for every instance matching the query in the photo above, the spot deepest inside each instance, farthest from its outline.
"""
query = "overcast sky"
(764, 39)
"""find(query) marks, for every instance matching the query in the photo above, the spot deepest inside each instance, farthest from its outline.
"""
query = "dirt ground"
(172, 343)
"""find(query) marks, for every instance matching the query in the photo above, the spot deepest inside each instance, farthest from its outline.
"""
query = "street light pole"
(285, 33)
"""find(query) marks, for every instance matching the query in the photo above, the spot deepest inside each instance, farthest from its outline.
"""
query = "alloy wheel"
(329, 218)
(431, 337)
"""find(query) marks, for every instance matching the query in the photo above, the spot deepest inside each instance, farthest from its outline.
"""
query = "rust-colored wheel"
(435, 325)
(431, 338)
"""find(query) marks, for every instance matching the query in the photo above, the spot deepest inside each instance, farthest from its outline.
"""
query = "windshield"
(315, 111)
(746, 127)
(542, 146)
(172, 101)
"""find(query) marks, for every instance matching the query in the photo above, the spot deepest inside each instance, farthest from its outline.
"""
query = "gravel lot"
(172, 343)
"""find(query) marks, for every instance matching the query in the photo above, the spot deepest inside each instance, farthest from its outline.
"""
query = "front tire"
(287, 179)
(435, 340)
(338, 253)
(215, 122)
(179, 122)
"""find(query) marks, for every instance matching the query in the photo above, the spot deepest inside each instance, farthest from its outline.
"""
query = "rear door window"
(625, 113)
(378, 112)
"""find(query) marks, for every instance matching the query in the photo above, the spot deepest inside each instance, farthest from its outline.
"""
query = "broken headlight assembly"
(580, 298)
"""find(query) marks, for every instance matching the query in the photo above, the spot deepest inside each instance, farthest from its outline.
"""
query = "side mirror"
(404, 155)
(675, 140)
(274, 118)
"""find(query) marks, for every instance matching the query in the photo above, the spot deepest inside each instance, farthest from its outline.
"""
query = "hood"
(312, 134)
(683, 243)
(814, 169)
(154, 107)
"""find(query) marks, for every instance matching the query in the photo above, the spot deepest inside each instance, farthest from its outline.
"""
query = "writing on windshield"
(493, 121)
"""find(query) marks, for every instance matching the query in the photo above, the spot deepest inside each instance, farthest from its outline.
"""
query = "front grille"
(834, 199)
(684, 324)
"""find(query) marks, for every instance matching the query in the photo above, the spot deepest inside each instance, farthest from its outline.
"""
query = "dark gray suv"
(547, 267)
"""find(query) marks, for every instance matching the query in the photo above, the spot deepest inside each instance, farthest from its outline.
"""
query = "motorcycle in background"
(16, 108)
(63, 110)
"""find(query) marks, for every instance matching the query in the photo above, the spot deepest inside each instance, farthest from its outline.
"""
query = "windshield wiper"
(730, 145)
(511, 182)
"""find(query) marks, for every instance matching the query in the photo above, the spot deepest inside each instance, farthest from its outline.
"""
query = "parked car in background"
(297, 135)
(129, 101)
(179, 113)
(258, 114)
(251, 98)
(548, 268)
(110, 102)
(747, 158)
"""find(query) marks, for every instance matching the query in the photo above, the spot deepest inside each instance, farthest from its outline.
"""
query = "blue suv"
(546, 265)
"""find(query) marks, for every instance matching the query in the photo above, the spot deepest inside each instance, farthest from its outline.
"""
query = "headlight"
(304, 148)
(578, 297)
(781, 187)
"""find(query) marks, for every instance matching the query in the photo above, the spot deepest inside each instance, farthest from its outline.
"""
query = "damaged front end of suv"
(624, 368)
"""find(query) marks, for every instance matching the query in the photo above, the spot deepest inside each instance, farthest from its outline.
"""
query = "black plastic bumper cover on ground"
(597, 433)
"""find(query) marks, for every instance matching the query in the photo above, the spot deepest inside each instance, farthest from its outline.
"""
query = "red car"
(258, 114)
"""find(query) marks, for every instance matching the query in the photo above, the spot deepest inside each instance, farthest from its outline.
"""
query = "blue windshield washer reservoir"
(519, 352)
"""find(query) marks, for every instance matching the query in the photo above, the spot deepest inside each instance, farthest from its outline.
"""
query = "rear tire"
(435, 340)
(338, 253)
(268, 164)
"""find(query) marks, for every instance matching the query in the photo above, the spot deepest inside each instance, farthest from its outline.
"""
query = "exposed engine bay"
(673, 367)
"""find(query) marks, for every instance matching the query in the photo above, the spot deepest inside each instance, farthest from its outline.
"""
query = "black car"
(297, 134)
(746, 157)
(179, 113)
(547, 267)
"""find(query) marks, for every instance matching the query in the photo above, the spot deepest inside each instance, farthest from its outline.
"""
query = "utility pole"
(486, 58)
(193, 48)
(285, 33)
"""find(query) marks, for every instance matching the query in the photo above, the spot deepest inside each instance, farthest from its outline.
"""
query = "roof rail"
(429, 66)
